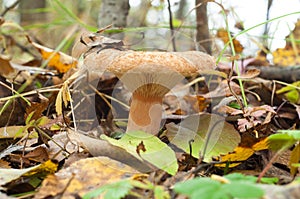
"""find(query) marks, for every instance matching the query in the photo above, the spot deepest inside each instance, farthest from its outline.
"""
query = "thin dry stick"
(9, 8)
(171, 26)
(268, 166)
(14, 91)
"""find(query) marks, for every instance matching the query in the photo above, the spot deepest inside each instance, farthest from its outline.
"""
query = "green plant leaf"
(291, 92)
(294, 133)
(196, 185)
(160, 193)
(281, 141)
(211, 135)
(236, 177)
(243, 190)
(28, 118)
(115, 190)
(239, 186)
(269, 180)
(155, 151)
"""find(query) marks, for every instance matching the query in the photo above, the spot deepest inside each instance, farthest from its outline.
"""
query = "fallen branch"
(286, 74)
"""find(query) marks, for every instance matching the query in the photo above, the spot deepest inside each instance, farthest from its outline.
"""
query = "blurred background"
(146, 23)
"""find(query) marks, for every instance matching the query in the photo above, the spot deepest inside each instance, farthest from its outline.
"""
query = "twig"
(171, 26)
(268, 166)
(9, 8)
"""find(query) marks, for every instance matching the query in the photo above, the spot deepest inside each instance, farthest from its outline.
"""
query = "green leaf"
(209, 132)
(42, 121)
(156, 152)
(160, 193)
(294, 133)
(28, 118)
(237, 177)
(115, 190)
(239, 186)
(291, 92)
(269, 180)
(243, 190)
(197, 184)
(281, 141)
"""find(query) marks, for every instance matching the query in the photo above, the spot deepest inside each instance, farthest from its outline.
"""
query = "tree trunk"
(202, 35)
(181, 10)
(113, 12)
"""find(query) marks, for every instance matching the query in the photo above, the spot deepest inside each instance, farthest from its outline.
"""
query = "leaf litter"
(46, 153)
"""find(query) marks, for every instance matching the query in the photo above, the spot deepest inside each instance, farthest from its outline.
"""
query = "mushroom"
(149, 76)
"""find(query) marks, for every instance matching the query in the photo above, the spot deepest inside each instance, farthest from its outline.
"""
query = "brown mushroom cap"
(137, 69)
(185, 63)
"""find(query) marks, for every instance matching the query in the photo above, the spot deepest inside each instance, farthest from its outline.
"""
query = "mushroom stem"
(145, 113)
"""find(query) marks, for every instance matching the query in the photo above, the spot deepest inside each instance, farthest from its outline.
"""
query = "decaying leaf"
(254, 116)
(83, 176)
(211, 134)
(250, 74)
(63, 98)
(6, 70)
(9, 175)
(223, 35)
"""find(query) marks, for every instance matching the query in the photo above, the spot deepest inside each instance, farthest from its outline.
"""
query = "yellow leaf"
(242, 153)
(295, 158)
(48, 167)
(58, 60)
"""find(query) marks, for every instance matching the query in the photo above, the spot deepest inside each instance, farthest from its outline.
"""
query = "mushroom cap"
(149, 73)
(185, 63)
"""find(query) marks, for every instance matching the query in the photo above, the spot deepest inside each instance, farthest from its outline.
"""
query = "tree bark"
(202, 35)
(181, 10)
(113, 12)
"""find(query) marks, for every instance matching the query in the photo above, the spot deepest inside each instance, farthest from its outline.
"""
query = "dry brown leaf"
(223, 35)
(84, 176)
(39, 154)
(6, 69)
(250, 74)
(4, 164)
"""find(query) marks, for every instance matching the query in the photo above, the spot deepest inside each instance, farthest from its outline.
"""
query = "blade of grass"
(251, 28)
(73, 17)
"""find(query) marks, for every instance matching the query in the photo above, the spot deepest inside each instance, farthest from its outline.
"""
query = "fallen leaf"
(156, 152)
(294, 159)
(9, 175)
(39, 154)
(6, 69)
(83, 176)
(243, 152)
(250, 74)
(211, 134)
(223, 35)
(58, 60)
